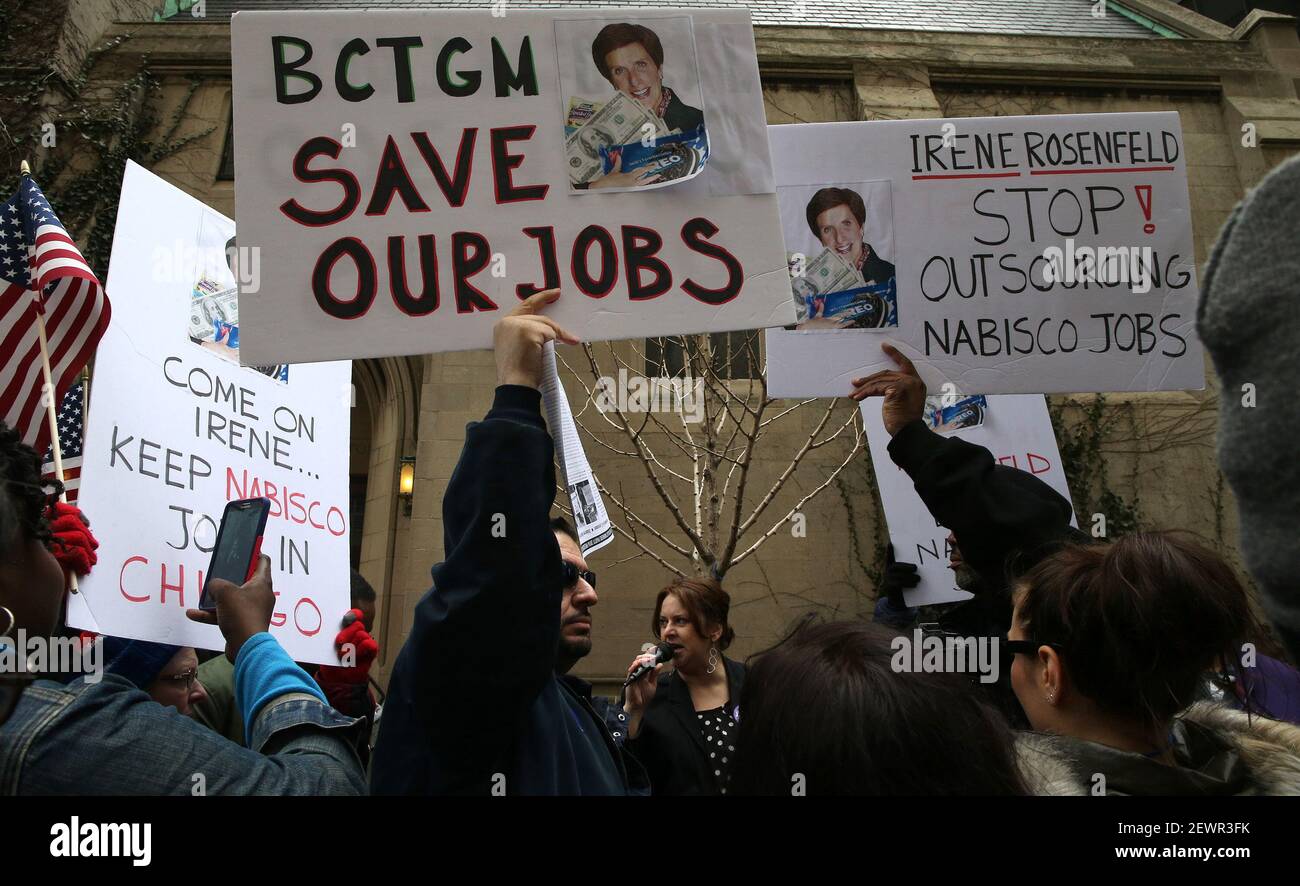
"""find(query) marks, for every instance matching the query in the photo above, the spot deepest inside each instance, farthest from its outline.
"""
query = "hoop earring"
(12, 621)
(713, 660)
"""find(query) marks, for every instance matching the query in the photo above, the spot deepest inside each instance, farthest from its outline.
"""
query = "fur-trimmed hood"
(1221, 752)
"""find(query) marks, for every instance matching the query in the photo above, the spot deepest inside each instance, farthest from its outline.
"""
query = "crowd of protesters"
(1136, 666)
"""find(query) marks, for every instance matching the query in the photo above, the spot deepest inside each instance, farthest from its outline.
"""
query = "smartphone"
(239, 544)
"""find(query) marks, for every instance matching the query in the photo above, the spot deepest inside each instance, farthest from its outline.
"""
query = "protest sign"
(1015, 428)
(409, 176)
(1003, 254)
(177, 428)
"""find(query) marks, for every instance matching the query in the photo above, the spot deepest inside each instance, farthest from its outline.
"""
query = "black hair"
(560, 524)
(1137, 621)
(826, 705)
(361, 589)
(25, 495)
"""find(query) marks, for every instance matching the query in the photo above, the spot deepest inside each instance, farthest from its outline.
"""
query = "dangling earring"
(713, 659)
(12, 621)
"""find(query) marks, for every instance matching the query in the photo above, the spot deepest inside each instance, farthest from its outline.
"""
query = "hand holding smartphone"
(239, 544)
(239, 577)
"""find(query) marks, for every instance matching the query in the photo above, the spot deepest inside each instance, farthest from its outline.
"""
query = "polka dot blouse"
(719, 731)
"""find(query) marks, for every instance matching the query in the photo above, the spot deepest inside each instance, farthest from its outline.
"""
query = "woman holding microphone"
(682, 716)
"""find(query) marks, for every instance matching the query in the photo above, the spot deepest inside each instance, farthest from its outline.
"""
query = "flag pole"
(50, 395)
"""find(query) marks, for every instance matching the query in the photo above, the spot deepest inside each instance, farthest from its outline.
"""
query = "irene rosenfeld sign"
(1047, 254)
(408, 176)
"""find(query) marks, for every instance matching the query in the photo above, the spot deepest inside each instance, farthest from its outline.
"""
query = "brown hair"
(861, 728)
(1138, 621)
(617, 36)
(829, 198)
(705, 602)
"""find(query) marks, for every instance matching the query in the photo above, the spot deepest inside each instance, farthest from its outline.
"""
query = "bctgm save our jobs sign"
(1047, 254)
(408, 177)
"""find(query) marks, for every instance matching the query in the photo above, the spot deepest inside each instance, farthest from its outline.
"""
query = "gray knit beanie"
(1249, 320)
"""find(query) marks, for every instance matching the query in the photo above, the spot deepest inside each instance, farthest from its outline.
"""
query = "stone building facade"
(1236, 92)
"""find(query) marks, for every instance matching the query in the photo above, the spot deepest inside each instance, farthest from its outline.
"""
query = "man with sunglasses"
(479, 702)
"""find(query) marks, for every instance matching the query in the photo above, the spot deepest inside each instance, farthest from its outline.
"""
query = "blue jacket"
(110, 738)
(474, 705)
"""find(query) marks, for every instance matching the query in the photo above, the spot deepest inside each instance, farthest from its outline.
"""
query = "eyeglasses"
(187, 678)
(572, 573)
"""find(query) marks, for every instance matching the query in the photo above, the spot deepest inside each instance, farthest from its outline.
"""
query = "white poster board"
(406, 178)
(1015, 428)
(973, 216)
(177, 428)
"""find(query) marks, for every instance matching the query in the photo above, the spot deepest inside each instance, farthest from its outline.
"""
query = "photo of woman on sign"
(647, 132)
(841, 278)
(835, 217)
(631, 58)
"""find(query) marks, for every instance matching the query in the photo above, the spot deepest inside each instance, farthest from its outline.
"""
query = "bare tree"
(705, 479)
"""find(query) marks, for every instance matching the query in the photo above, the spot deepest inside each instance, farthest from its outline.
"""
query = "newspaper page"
(594, 529)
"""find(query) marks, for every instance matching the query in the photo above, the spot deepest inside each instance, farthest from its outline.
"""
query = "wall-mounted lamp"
(406, 482)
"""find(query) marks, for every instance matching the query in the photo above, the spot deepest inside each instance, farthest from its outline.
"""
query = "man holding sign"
(476, 705)
(998, 514)
(1003, 520)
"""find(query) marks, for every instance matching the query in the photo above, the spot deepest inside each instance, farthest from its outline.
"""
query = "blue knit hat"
(136, 660)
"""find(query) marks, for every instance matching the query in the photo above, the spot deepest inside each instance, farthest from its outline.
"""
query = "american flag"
(42, 271)
(71, 432)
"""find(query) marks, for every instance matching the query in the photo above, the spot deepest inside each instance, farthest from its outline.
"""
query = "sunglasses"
(1024, 647)
(572, 573)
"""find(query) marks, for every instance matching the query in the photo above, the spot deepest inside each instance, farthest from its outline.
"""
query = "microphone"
(663, 652)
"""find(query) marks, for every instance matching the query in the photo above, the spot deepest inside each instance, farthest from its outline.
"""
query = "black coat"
(997, 514)
(475, 703)
(875, 269)
(679, 115)
(669, 744)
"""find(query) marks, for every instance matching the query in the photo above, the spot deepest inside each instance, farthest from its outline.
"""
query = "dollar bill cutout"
(825, 273)
(620, 121)
(207, 307)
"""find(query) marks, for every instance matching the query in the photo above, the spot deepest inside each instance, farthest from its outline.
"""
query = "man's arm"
(993, 510)
(483, 641)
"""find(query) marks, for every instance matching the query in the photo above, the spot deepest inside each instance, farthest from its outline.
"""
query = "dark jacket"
(875, 269)
(994, 511)
(474, 703)
(679, 115)
(669, 743)
(1220, 752)
(999, 516)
